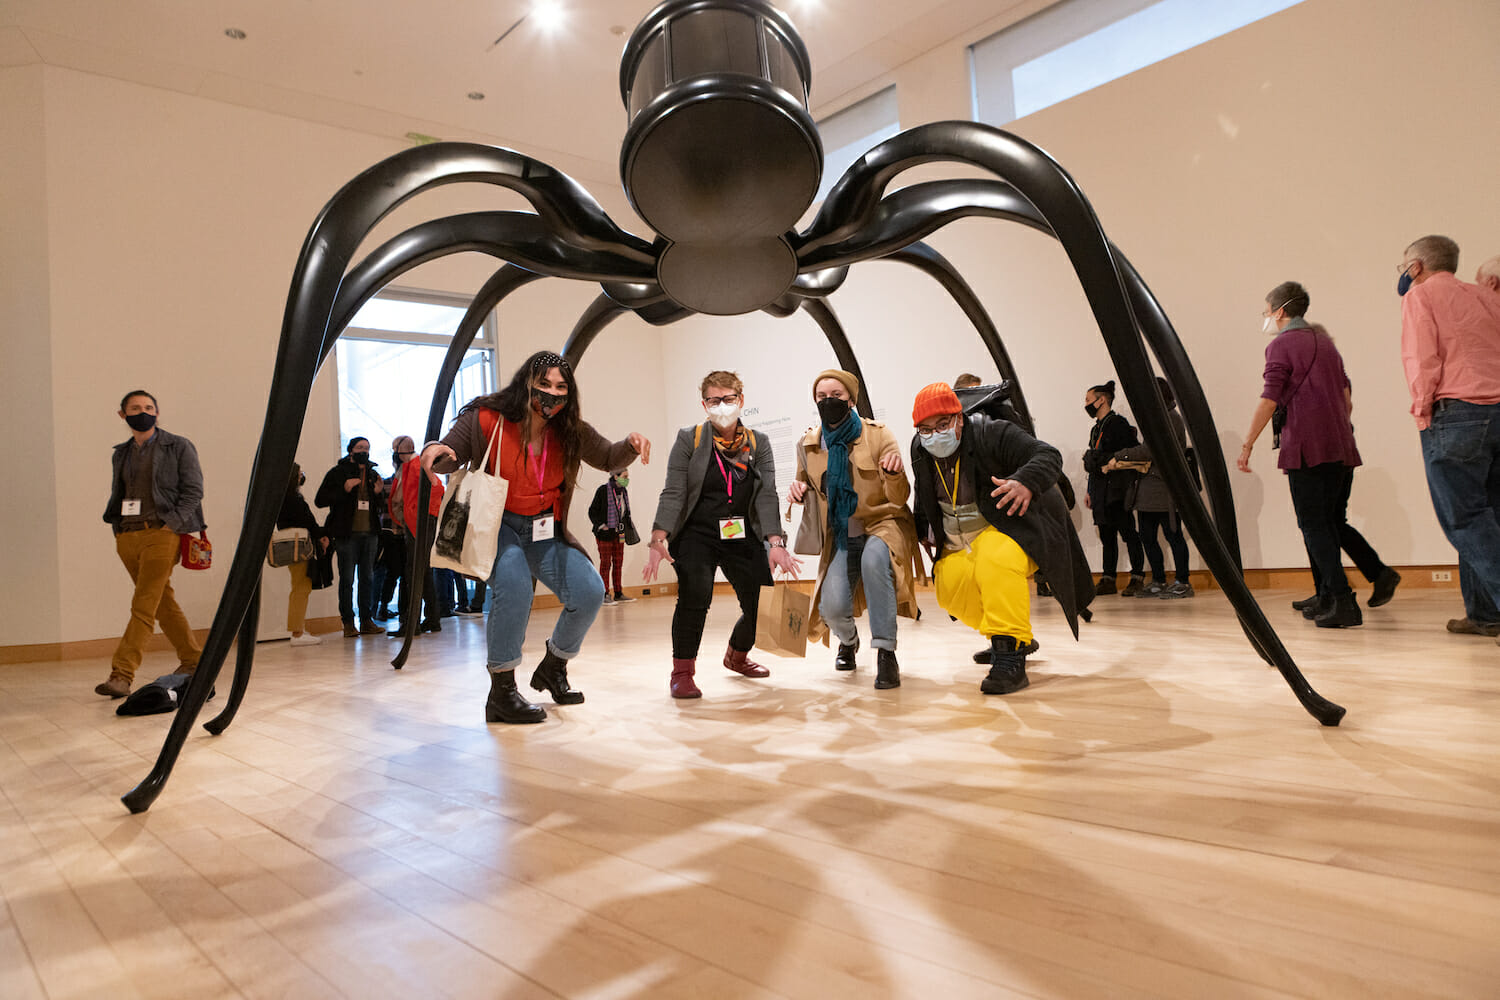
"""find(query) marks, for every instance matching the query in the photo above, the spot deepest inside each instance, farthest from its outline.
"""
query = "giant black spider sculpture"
(721, 158)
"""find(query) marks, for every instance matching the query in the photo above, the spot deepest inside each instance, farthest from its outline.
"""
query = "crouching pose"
(990, 515)
(543, 438)
(869, 554)
(717, 511)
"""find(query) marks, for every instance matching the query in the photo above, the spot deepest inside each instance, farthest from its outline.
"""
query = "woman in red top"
(543, 439)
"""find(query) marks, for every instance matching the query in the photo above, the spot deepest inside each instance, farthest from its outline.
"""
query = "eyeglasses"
(728, 400)
(1405, 265)
(946, 423)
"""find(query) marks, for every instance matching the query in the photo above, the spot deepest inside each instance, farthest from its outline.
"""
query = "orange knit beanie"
(935, 400)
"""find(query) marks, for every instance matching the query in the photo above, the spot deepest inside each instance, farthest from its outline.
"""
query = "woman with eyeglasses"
(1304, 376)
(989, 514)
(869, 558)
(543, 440)
(717, 511)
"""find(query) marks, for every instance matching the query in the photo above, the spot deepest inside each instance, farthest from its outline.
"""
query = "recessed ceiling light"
(548, 15)
(235, 33)
(476, 95)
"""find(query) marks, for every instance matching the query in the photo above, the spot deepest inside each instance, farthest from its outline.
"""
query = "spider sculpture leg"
(855, 213)
(568, 222)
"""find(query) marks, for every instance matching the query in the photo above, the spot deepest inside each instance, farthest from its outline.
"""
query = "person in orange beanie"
(989, 514)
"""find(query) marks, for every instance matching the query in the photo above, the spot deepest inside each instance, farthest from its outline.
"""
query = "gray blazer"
(176, 484)
(687, 466)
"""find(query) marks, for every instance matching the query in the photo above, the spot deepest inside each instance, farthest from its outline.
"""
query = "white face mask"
(724, 415)
(1269, 326)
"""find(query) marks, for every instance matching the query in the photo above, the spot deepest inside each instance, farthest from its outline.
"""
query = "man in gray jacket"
(156, 494)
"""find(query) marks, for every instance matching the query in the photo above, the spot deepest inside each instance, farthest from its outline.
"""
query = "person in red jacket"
(403, 504)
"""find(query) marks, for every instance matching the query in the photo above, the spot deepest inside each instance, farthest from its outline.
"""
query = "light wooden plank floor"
(1154, 817)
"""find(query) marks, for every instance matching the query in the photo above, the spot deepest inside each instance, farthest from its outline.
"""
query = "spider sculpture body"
(721, 157)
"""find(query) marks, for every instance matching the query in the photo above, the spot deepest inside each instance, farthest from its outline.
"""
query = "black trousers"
(1320, 496)
(1114, 523)
(390, 565)
(1363, 555)
(1171, 529)
(698, 554)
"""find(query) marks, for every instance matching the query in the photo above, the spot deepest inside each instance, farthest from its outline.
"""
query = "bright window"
(1077, 45)
(849, 134)
(388, 364)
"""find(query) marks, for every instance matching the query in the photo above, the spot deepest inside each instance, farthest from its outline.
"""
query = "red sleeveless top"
(535, 480)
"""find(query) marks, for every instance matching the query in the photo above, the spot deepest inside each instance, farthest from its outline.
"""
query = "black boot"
(887, 671)
(505, 703)
(1344, 613)
(984, 655)
(552, 675)
(1306, 602)
(1321, 606)
(1007, 667)
(845, 658)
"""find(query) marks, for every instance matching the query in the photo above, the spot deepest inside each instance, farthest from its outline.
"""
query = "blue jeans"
(565, 571)
(356, 555)
(1461, 450)
(836, 602)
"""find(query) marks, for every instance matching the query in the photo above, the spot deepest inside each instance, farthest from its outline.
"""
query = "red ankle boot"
(682, 679)
(739, 661)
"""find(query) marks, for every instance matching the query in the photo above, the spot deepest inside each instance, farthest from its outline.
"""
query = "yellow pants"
(296, 602)
(985, 586)
(149, 557)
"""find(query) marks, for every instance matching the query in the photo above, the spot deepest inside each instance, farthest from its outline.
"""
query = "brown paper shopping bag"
(781, 622)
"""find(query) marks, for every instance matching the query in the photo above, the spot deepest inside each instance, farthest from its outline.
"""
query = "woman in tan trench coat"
(869, 558)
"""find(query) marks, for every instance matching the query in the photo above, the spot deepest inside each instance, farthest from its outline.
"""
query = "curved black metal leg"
(600, 313)
(935, 265)
(823, 315)
(1041, 183)
(244, 658)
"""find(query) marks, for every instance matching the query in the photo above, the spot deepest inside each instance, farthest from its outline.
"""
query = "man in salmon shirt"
(543, 439)
(1450, 348)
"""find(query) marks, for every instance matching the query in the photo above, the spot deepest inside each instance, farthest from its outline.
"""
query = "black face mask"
(833, 411)
(1092, 409)
(359, 457)
(141, 421)
(547, 403)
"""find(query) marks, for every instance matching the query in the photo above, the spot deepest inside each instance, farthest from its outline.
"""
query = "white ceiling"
(390, 67)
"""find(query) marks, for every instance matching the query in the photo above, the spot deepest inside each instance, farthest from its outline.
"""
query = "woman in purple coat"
(1305, 379)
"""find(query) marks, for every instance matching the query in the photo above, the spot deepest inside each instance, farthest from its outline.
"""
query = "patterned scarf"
(842, 500)
(735, 451)
(613, 507)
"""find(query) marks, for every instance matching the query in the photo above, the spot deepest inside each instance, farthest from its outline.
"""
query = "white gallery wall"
(147, 239)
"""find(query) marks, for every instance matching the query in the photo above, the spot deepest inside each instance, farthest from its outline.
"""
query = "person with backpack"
(717, 510)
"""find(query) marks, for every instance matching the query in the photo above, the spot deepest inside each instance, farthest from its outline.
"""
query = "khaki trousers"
(149, 557)
(296, 602)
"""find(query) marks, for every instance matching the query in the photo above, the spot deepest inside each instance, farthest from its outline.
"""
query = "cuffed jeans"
(836, 602)
(1461, 450)
(563, 569)
(356, 555)
(149, 557)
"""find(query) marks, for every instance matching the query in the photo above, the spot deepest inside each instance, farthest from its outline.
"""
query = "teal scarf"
(842, 500)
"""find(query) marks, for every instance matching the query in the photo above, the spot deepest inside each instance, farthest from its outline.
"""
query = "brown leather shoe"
(115, 687)
(1466, 626)
(350, 631)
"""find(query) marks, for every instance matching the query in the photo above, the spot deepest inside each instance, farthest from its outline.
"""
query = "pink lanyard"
(541, 470)
(728, 481)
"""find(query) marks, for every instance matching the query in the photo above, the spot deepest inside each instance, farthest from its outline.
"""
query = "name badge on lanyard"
(731, 528)
(364, 505)
(130, 508)
(542, 528)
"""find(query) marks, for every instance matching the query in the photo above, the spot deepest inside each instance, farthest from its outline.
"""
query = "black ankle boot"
(1320, 606)
(1306, 602)
(845, 658)
(552, 675)
(505, 703)
(887, 671)
(1007, 667)
(1343, 613)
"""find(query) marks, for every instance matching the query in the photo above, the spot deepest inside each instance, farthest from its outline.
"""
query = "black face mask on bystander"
(833, 411)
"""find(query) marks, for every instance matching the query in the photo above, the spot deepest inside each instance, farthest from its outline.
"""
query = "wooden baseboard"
(1422, 577)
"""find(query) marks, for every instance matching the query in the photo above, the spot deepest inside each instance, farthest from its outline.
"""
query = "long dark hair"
(514, 404)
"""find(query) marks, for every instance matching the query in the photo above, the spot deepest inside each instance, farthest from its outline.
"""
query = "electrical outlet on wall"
(1442, 576)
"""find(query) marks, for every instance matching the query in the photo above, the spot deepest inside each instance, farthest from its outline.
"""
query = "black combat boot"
(505, 703)
(552, 675)
(1007, 667)
(844, 660)
(887, 671)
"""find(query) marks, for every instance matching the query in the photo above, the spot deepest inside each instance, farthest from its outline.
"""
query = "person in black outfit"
(350, 490)
(1151, 499)
(1107, 490)
(718, 511)
(613, 530)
